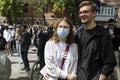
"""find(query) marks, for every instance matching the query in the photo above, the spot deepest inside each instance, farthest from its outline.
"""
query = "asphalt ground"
(17, 73)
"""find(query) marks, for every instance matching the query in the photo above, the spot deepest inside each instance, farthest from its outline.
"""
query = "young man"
(96, 55)
(114, 31)
(25, 43)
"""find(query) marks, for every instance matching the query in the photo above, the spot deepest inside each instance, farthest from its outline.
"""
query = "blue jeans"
(18, 48)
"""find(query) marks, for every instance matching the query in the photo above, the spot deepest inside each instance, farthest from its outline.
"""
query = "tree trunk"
(44, 20)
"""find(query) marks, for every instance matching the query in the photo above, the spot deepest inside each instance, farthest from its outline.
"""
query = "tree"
(70, 7)
(39, 6)
(11, 9)
(66, 6)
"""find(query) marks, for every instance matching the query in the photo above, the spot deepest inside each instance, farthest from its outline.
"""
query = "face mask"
(62, 32)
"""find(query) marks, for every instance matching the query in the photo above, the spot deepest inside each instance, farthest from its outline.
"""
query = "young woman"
(55, 66)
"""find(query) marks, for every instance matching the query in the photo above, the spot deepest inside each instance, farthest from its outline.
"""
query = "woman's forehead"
(63, 23)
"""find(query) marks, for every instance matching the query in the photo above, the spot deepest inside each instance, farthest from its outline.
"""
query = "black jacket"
(116, 39)
(40, 38)
(96, 55)
(25, 41)
(2, 43)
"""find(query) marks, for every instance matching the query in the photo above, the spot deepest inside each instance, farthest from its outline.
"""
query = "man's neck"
(90, 26)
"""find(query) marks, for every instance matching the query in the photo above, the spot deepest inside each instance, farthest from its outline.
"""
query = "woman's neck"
(62, 39)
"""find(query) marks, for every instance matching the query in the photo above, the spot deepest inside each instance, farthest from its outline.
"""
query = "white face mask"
(62, 32)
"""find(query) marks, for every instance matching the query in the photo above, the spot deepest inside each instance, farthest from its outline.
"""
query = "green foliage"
(64, 5)
(38, 5)
(10, 8)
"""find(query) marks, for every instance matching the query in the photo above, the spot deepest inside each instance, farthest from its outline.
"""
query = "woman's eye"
(63, 26)
(60, 26)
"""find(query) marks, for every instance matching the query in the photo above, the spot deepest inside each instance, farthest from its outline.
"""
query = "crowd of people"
(66, 52)
(18, 38)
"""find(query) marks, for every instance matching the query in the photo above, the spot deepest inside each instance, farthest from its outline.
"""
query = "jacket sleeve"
(107, 55)
(73, 66)
(50, 62)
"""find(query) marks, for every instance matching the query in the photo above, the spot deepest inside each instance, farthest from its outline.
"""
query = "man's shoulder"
(101, 28)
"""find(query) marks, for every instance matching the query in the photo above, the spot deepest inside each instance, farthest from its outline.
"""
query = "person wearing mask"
(61, 54)
(25, 42)
(96, 55)
(7, 34)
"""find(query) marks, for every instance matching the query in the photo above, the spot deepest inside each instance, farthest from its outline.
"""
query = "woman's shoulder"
(74, 45)
(50, 41)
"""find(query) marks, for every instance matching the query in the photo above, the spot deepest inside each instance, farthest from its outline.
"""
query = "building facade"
(30, 16)
(108, 9)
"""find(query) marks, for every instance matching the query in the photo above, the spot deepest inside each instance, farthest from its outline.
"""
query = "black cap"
(111, 20)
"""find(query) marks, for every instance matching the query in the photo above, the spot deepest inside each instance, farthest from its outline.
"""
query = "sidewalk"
(17, 73)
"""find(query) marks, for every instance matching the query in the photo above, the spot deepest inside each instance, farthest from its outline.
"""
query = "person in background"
(115, 35)
(40, 41)
(29, 30)
(25, 43)
(50, 31)
(61, 46)
(7, 35)
(18, 44)
(2, 43)
(1, 29)
(96, 55)
(12, 38)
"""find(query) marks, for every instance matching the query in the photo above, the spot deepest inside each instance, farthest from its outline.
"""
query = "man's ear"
(94, 13)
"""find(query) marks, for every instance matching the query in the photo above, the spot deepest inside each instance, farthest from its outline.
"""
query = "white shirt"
(53, 58)
(13, 34)
(111, 31)
(7, 35)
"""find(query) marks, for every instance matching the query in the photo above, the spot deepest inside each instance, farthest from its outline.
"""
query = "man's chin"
(83, 21)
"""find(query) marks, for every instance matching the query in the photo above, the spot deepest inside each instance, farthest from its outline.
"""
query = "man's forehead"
(85, 8)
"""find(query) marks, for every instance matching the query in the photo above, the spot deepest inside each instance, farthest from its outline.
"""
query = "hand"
(71, 77)
(46, 76)
(113, 36)
(102, 77)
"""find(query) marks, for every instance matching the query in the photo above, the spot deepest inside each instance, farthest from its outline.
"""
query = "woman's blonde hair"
(70, 38)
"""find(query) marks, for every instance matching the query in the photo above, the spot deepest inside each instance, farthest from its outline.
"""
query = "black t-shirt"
(86, 34)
